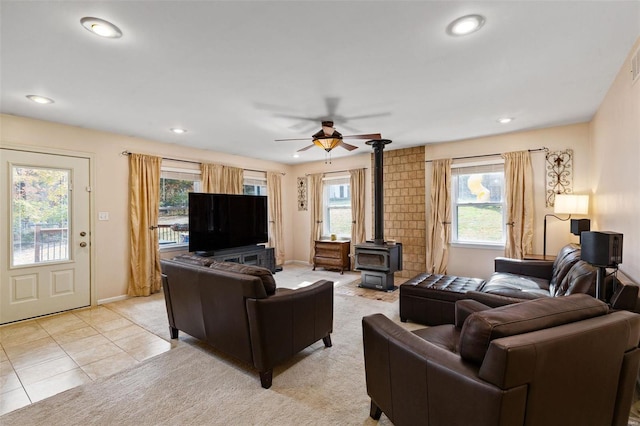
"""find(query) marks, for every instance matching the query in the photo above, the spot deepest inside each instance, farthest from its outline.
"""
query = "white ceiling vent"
(635, 67)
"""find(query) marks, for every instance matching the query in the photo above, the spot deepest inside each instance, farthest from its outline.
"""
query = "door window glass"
(40, 217)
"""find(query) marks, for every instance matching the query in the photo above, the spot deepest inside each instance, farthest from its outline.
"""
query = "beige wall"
(614, 177)
(478, 262)
(110, 239)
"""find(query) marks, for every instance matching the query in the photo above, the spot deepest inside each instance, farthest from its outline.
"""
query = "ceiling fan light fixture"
(465, 25)
(100, 27)
(327, 143)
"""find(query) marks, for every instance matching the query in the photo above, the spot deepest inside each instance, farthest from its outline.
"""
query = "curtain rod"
(127, 153)
(337, 171)
(544, 148)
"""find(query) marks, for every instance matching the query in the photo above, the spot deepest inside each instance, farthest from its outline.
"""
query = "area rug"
(354, 289)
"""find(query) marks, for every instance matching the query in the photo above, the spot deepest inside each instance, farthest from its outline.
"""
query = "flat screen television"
(223, 221)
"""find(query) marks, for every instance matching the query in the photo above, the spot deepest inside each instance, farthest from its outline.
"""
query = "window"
(337, 207)
(40, 215)
(173, 218)
(254, 185)
(478, 205)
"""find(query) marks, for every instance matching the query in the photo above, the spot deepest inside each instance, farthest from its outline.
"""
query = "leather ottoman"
(430, 299)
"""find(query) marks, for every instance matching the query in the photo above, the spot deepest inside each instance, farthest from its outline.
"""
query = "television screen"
(222, 221)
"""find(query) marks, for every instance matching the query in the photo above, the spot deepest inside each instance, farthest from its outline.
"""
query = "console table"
(252, 255)
(332, 255)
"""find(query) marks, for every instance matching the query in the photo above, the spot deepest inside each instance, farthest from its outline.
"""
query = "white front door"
(44, 234)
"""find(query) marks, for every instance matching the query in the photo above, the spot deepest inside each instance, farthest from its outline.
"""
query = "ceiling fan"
(328, 138)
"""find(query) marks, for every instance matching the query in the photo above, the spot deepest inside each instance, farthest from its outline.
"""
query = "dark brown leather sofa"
(237, 310)
(430, 299)
(550, 361)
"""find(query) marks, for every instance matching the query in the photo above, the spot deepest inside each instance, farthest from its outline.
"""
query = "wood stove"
(377, 259)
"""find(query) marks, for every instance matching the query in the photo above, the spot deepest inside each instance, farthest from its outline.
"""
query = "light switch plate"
(103, 215)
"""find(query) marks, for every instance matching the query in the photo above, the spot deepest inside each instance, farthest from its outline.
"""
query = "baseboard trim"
(112, 299)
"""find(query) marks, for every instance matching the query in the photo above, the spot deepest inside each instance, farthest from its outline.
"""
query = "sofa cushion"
(566, 258)
(580, 279)
(512, 285)
(481, 328)
(264, 274)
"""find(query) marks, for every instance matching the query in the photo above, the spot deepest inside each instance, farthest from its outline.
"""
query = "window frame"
(477, 167)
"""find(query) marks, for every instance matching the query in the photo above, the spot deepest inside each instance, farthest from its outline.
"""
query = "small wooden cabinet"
(332, 255)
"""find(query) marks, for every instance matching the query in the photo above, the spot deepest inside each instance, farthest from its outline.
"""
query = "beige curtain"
(315, 206)
(274, 197)
(439, 227)
(144, 204)
(219, 179)
(232, 180)
(211, 178)
(519, 199)
(357, 184)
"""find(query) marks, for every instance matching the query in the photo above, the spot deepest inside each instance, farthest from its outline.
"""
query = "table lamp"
(565, 204)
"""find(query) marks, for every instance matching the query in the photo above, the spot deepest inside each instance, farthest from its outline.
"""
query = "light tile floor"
(45, 356)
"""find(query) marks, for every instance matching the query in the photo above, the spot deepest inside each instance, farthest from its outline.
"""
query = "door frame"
(92, 223)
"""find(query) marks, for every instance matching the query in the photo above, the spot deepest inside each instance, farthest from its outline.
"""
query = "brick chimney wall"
(404, 206)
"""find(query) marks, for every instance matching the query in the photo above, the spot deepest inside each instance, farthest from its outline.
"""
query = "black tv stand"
(247, 255)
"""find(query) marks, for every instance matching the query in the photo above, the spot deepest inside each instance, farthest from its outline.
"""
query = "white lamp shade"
(571, 204)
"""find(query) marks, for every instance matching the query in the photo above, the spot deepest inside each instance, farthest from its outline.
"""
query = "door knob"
(82, 234)
(83, 244)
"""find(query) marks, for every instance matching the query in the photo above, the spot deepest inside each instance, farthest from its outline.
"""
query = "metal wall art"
(559, 174)
(302, 194)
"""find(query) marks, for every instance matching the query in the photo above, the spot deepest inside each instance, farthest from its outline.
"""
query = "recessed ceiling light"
(101, 27)
(296, 155)
(465, 25)
(178, 130)
(40, 99)
(505, 120)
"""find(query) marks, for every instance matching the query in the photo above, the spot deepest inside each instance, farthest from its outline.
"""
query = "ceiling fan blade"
(358, 117)
(348, 146)
(297, 117)
(306, 148)
(369, 136)
(294, 139)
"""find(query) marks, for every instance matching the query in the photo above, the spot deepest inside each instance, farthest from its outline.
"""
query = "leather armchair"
(551, 361)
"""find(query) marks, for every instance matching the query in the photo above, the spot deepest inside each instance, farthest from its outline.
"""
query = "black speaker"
(580, 225)
(601, 248)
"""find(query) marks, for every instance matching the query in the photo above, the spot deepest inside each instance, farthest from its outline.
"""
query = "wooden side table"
(332, 255)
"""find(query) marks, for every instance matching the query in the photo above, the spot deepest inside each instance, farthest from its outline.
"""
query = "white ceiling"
(237, 74)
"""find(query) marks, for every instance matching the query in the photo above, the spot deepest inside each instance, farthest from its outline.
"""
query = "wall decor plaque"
(302, 194)
(558, 174)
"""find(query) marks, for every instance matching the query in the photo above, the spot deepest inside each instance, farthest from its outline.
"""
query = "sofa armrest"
(492, 300)
(287, 322)
(400, 367)
(625, 297)
(532, 268)
(466, 307)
